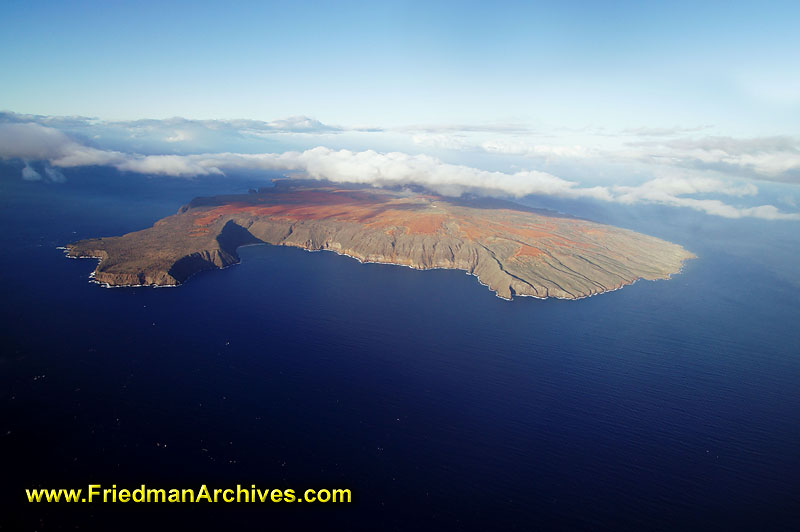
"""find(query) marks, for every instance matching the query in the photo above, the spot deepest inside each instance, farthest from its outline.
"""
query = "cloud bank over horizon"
(685, 172)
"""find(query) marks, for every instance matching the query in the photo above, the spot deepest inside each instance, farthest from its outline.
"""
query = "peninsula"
(512, 249)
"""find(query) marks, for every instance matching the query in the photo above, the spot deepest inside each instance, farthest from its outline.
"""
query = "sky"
(573, 64)
(599, 94)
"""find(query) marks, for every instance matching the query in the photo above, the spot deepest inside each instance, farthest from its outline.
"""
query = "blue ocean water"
(669, 405)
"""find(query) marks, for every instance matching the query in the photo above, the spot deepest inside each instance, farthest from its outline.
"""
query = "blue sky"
(569, 64)
(689, 104)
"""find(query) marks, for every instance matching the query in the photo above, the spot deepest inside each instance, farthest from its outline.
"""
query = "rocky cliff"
(511, 249)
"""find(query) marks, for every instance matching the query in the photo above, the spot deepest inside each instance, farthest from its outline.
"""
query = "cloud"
(292, 124)
(676, 186)
(774, 158)
(517, 147)
(403, 169)
(179, 136)
(168, 165)
(674, 192)
(466, 128)
(29, 174)
(33, 141)
(663, 131)
(441, 141)
(54, 175)
(36, 142)
(300, 124)
(51, 175)
(369, 167)
(50, 121)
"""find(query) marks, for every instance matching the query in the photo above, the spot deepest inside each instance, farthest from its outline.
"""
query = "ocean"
(667, 405)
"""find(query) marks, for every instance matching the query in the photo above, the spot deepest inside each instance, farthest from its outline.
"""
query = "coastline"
(93, 280)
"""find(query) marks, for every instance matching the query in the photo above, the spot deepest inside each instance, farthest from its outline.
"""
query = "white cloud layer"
(771, 158)
(30, 174)
(30, 141)
(292, 124)
(547, 151)
(766, 158)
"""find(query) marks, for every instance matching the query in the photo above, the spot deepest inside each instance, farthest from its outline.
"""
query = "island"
(512, 249)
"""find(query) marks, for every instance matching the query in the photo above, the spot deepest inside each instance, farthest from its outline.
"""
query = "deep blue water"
(668, 405)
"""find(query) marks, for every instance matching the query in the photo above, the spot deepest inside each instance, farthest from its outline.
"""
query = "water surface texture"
(665, 405)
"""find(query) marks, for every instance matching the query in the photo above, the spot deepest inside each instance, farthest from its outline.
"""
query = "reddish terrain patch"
(392, 213)
(375, 210)
(529, 251)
